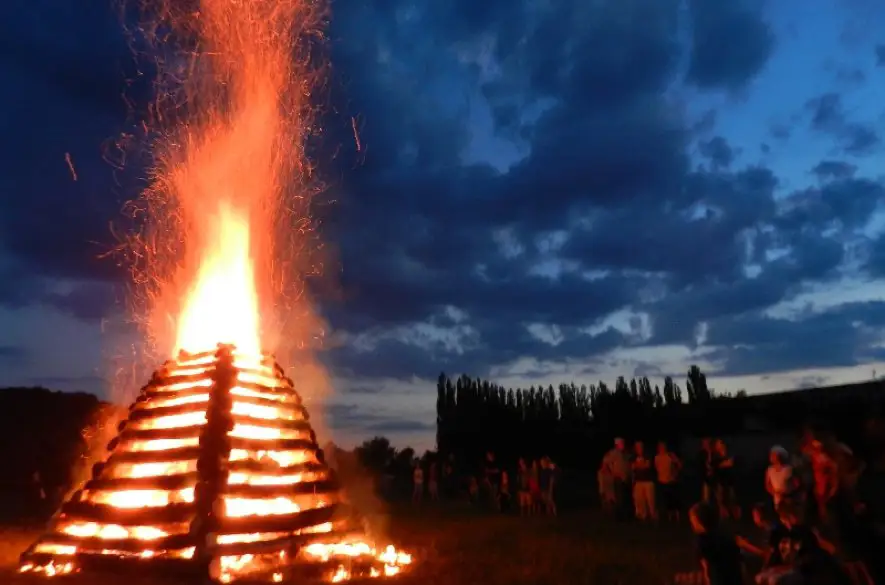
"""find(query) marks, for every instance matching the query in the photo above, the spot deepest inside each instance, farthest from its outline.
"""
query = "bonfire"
(216, 471)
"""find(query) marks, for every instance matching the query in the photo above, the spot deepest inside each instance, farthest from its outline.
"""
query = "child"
(779, 479)
(719, 554)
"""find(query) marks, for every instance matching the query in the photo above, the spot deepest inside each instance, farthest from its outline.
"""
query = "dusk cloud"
(533, 181)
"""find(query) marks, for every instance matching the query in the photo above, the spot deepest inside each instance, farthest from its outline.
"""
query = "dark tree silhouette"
(696, 385)
(375, 454)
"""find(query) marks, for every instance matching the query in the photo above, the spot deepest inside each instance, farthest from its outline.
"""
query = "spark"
(71, 165)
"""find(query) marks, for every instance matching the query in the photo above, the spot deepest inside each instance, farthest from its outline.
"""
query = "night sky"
(544, 192)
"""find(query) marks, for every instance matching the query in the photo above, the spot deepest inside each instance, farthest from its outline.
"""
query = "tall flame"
(215, 257)
(223, 307)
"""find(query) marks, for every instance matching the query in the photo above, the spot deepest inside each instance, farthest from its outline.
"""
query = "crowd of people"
(815, 512)
(818, 515)
(528, 488)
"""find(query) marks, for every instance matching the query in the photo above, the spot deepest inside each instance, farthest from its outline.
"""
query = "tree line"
(567, 423)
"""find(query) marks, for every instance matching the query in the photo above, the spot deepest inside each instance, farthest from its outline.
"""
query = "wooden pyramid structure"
(215, 472)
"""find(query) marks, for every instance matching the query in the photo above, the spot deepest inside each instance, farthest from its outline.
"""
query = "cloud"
(348, 417)
(730, 44)
(718, 151)
(401, 426)
(844, 336)
(524, 172)
(12, 352)
(834, 169)
(828, 116)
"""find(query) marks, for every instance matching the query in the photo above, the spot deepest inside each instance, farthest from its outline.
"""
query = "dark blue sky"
(547, 191)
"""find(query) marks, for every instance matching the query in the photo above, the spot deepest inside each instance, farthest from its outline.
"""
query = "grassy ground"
(463, 547)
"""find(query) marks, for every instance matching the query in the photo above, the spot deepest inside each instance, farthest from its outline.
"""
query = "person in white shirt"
(779, 479)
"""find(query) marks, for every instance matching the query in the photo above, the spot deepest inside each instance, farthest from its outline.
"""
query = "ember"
(196, 493)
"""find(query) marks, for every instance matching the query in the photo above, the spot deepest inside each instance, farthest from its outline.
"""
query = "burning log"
(215, 471)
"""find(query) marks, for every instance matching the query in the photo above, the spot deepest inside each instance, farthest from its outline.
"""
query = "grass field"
(463, 547)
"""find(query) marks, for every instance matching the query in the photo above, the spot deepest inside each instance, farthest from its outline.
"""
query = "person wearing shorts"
(667, 467)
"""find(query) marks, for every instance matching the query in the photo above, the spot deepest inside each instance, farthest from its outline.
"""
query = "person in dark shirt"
(718, 552)
(545, 483)
(722, 463)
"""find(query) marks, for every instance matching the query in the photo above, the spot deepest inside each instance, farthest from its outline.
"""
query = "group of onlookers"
(814, 504)
(816, 512)
(532, 482)
(649, 481)
(816, 518)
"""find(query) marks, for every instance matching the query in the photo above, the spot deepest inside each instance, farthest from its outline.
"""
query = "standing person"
(417, 483)
(726, 497)
(825, 483)
(472, 489)
(780, 482)
(492, 480)
(643, 484)
(546, 477)
(803, 471)
(449, 479)
(705, 470)
(667, 467)
(606, 489)
(433, 481)
(535, 487)
(618, 466)
(524, 496)
(504, 493)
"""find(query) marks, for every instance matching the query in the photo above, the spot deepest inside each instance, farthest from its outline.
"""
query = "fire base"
(216, 472)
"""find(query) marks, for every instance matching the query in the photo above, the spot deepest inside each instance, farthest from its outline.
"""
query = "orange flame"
(226, 212)
(222, 307)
